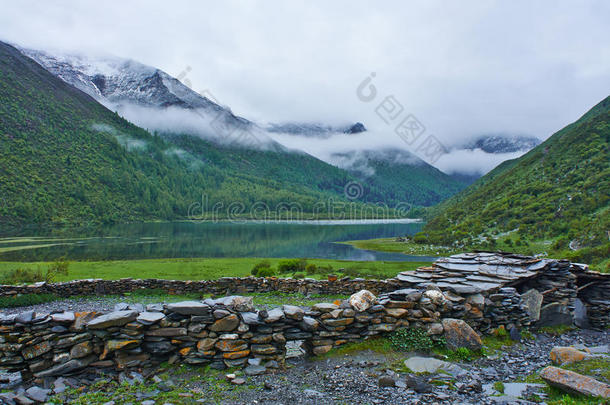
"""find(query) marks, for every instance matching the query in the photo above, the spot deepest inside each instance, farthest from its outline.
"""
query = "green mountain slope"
(66, 158)
(559, 192)
(394, 176)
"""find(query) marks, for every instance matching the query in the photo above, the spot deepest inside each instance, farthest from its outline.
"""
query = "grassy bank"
(203, 268)
(507, 242)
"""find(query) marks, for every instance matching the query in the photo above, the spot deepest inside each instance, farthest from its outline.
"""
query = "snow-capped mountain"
(316, 130)
(502, 143)
(150, 97)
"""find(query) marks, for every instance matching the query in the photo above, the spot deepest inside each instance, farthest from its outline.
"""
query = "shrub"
(298, 275)
(266, 272)
(463, 353)
(21, 276)
(291, 265)
(311, 269)
(265, 264)
(26, 300)
(413, 339)
(420, 238)
(29, 276)
(59, 267)
(500, 332)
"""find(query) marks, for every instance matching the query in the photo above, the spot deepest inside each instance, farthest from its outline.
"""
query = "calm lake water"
(207, 239)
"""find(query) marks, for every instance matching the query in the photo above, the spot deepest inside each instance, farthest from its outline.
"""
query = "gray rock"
(154, 308)
(121, 306)
(272, 364)
(532, 299)
(67, 367)
(431, 365)
(254, 370)
(116, 318)
(189, 308)
(256, 361)
(309, 323)
(274, 315)
(418, 384)
(325, 307)
(148, 318)
(580, 315)
(25, 317)
(293, 312)
(237, 302)
(64, 317)
(250, 318)
(37, 394)
(386, 381)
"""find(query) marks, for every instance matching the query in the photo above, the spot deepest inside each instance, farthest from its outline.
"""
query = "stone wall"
(224, 332)
(221, 286)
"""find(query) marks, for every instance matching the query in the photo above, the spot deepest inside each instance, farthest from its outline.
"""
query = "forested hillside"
(559, 192)
(66, 158)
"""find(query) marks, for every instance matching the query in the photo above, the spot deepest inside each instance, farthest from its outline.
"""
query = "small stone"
(238, 381)
(37, 394)
(254, 370)
(386, 381)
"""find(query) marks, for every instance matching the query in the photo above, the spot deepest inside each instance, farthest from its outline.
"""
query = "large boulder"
(575, 383)
(459, 334)
(362, 300)
(566, 355)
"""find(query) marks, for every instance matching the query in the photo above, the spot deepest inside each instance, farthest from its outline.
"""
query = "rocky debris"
(459, 334)
(575, 383)
(566, 355)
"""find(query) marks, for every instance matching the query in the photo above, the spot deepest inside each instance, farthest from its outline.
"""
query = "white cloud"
(462, 68)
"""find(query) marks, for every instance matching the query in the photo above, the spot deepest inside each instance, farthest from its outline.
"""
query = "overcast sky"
(461, 67)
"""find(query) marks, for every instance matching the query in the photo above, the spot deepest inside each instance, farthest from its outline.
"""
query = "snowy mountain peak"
(315, 130)
(503, 143)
